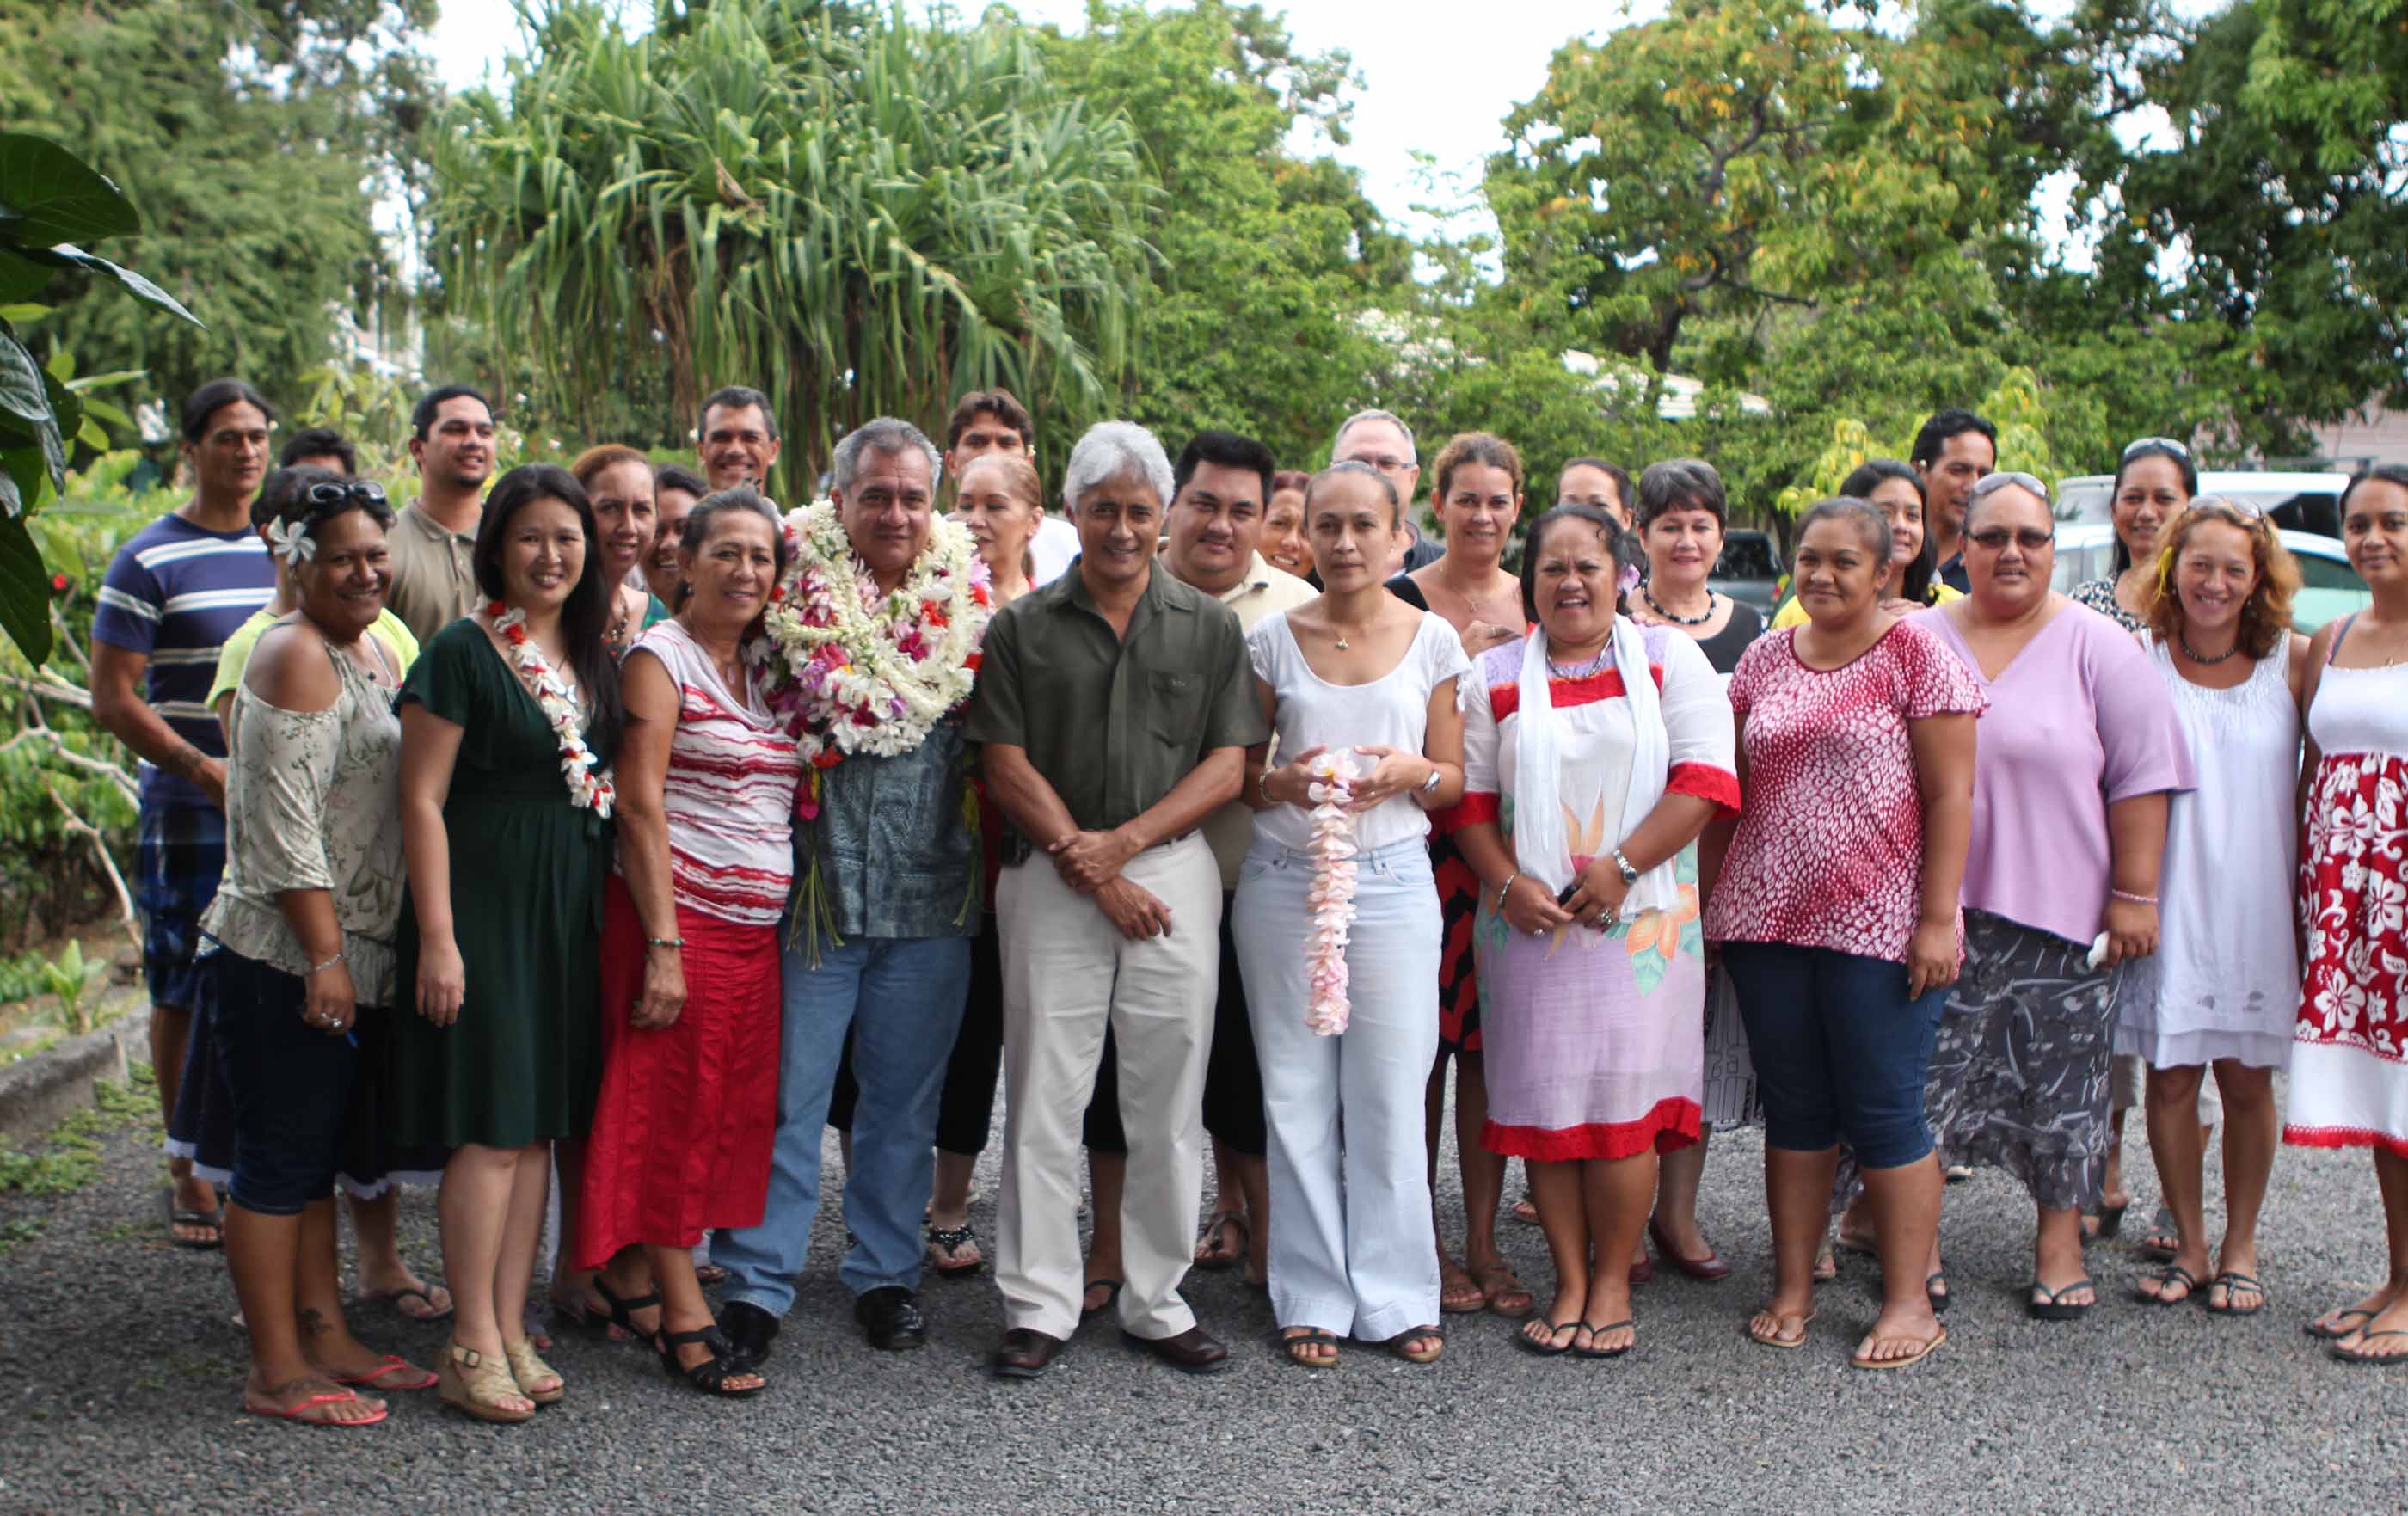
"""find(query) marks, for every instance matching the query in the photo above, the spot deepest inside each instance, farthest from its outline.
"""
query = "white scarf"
(1540, 847)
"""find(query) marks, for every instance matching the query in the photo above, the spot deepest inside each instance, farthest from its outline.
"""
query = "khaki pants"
(1067, 972)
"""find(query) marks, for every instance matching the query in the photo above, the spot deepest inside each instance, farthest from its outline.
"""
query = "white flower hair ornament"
(292, 542)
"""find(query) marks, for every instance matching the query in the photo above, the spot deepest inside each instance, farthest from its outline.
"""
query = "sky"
(1435, 78)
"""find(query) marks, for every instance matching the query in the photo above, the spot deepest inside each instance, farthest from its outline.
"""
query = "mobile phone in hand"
(1565, 898)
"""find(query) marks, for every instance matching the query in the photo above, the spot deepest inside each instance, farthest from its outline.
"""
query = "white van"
(2309, 502)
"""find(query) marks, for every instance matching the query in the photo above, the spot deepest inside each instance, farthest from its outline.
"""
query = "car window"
(1748, 557)
(2321, 573)
(2086, 503)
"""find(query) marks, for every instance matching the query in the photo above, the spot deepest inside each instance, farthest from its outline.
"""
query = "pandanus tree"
(857, 213)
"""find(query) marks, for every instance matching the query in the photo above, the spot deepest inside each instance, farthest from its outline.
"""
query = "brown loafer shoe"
(1025, 1353)
(1192, 1351)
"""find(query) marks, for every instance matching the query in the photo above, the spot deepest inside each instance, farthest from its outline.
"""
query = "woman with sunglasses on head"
(2078, 754)
(2348, 1085)
(301, 934)
(2155, 481)
(2226, 992)
(509, 723)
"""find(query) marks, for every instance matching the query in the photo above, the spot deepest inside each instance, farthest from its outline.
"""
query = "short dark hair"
(283, 497)
(587, 613)
(1618, 543)
(2384, 472)
(736, 397)
(215, 396)
(2153, 447)
(319, 442)
(1615, 472)
(1870, 475)
(1943, 425)
(740, 500)
(1860, 513)
(1355, 468)
(678, 476)
(1002, 405)
(1228, 450)
(422, 417)
(1678, 485)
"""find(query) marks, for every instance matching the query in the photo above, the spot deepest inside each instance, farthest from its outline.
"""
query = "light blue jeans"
(900, 1000)
(1351, 1246)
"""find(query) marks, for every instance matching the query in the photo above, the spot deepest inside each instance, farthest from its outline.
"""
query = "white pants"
(1067, 972)
(1351, 1250)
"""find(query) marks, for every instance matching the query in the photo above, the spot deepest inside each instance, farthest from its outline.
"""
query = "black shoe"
(890, 1317)
(1192, 1351)
(750, 1331)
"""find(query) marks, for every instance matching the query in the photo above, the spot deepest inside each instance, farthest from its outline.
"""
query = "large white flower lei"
(1330, 897)
(858, 672)
(587, 790)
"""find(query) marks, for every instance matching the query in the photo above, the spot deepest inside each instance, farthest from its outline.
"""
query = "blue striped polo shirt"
(173, 593)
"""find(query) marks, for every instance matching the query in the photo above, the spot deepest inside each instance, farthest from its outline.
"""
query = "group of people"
(1898, 877)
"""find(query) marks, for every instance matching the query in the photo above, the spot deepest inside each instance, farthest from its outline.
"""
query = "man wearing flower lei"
(1113, 715)
(873, 648)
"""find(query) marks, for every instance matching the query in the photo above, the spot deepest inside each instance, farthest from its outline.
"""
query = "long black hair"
(1860, 483)
(588, 608)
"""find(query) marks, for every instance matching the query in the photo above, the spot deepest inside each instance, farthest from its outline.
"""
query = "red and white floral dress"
(2349, 1057)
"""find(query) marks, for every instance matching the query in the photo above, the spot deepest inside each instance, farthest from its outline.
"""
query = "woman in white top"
(2225, 992)
(1361, 675)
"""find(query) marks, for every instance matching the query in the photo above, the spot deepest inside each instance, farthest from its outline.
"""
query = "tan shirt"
(433, 573)
(1263, 591)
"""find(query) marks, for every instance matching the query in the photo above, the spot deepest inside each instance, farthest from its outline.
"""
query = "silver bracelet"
(1503, 888)
(2134, 899)
(316, 969)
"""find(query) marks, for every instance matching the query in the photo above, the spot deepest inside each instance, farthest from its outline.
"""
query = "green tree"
(255, 135)
(857, 215)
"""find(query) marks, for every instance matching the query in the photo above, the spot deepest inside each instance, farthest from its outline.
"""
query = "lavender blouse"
(2077, 721)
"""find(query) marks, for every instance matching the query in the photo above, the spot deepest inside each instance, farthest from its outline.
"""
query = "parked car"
(2331, 589)
(1749, 569)
(2299, 502)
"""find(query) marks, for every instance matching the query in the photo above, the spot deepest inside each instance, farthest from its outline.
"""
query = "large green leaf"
(24, 590)
(27, 469)
(142, 289)
(23, 394)
(21, 277)
(48, 195)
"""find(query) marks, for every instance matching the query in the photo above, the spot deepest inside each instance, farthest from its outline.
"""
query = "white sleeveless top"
(2227, 966)
(1391, 711)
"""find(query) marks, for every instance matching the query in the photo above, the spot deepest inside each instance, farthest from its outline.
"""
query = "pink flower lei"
(1331, 897)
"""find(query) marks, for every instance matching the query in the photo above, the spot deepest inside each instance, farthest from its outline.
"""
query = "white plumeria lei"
(1330, 897)
(859, 672)
(587, 790)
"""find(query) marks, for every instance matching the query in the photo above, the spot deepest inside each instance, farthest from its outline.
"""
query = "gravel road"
(123, 1370)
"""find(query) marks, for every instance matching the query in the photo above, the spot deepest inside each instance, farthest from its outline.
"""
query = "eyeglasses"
(1384, 464)
(2178, 448)
(336, 492)
(1994, 538)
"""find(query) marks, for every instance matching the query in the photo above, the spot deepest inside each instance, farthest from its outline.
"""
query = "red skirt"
(688, 1112)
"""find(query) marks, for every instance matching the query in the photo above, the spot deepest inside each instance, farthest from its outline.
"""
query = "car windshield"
(1747, 556)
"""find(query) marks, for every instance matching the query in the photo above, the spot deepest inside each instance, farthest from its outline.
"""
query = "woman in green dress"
(510, 718)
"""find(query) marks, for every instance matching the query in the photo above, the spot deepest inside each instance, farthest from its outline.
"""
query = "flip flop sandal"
(949, 1239)
(300, 1411)
(1495, 1283)
(1941, 1296)
(2234, 1282)
(1773, 1338)
(1467, 1299)
(395, 1298)
(1525, 1211)
(1311, 1336)
(2051, 1309)
(1111, 1289)
(1594, 1331)
(2108, 1221)
(2351, 1355)
(2170, 1274)
(394, 1364)
(1827, 1264)
(1859, 1361)
(214, 1219)
(2334, 1334)
(1400, 1344)
(1218, 1258)
(1549, 1347)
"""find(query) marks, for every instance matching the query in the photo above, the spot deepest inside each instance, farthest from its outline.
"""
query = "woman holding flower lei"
(1360, 691)
(1595, 751)
(511, 717)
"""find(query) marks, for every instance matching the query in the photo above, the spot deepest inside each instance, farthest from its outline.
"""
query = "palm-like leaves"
(858, 218)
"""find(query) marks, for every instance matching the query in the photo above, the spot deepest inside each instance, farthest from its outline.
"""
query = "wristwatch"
(1629, 875)
(1437, 777)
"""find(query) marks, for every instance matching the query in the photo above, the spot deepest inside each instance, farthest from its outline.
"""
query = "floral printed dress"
(1596, 1041)
(2349, 1055)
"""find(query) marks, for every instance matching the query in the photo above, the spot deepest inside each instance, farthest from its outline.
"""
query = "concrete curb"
(45, 1090)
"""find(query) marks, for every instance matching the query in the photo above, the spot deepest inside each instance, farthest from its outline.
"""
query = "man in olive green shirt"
(1115, 706)
(432, 546)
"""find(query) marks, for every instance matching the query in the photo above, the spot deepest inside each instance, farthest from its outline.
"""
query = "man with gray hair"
(1382, 439)
(885, 963)
(1114, 708)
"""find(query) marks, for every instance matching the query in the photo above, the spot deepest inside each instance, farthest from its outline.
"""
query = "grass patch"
(70, 1159)
(17, 1232)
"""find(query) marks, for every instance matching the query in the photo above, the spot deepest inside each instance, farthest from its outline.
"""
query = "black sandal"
(2171, 1274)
(1311, 1336)
(622, 1312)
(711, 1375)
(947, 1238)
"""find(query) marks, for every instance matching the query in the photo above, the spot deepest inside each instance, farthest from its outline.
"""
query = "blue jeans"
(1839, 1050)
(899, 1000)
